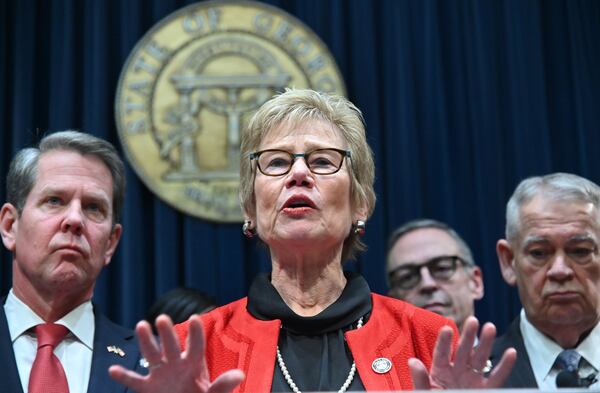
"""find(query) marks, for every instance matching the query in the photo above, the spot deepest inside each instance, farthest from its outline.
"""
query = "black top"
(313, 348)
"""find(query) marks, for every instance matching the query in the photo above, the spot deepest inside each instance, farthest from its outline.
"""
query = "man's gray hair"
(426, 223)
(554, 187)
(22, 173)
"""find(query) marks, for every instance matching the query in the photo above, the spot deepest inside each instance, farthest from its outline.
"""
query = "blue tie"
(568, 360)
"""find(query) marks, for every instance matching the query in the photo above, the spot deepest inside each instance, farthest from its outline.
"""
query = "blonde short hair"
(297, 106)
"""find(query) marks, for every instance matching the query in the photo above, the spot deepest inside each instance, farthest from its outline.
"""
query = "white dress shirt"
(74, 352)
(542, 352)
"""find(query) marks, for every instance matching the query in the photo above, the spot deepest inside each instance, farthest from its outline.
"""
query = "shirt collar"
(588, 348)
(542, 350)
(21, 318)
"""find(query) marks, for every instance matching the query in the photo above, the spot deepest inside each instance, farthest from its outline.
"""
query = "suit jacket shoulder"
(522, 374)
(106, 334)
(9, 374)
(113, 344)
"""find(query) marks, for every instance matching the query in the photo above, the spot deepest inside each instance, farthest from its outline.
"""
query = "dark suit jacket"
(522, 374)
(106, 334)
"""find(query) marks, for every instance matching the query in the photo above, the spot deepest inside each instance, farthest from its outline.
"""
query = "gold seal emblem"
(192, 82)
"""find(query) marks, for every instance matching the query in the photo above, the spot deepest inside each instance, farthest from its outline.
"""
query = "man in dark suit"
(61, 224)
(552, 255)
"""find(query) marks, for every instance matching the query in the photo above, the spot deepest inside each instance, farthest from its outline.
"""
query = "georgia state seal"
(192, 82)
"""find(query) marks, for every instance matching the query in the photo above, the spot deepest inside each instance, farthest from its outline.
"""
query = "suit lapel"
(522, 374)
(9, 374)
(113, 344)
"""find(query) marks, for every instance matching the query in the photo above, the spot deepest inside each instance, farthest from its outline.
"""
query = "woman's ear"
(361, 213)
(249, 216)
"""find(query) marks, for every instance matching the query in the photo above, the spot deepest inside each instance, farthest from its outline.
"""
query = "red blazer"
(395, 330)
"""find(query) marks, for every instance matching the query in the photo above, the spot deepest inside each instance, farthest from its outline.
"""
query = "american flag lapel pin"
(116, 350)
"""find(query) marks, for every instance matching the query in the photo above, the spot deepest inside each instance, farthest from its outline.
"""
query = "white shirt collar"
(542, 350)
(21, 318)
(589, 347)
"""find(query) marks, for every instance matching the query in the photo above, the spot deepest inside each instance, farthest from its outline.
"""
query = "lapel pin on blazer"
(381, 365)
(116, 350)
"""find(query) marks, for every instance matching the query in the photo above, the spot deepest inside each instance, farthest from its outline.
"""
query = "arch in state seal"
(192, 82)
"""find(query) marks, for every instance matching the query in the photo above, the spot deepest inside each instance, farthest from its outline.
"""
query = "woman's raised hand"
(170, 369)
(467, 368)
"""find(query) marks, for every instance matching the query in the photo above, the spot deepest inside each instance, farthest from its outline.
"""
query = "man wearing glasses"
(431, 266)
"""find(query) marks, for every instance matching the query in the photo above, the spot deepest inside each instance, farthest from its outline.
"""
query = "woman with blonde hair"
(306, 188)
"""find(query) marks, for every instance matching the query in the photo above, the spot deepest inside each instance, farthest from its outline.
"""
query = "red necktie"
(47, 374)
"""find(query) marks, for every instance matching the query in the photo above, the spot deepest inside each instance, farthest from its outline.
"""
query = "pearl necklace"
(290, 381)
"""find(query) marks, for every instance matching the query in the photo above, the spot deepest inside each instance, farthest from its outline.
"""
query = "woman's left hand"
(467, 368)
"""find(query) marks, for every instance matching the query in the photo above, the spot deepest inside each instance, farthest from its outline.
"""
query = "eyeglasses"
(273, 162)
(441, 268)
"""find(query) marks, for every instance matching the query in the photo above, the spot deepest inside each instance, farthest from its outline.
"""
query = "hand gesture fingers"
(464, 351)
(195, 342)
(419, 374)
(227, 381)
(502, 369)
(442, 352)
(481, 353)
(170, 369)
(149, 347)
(171, 350)
(466, 370)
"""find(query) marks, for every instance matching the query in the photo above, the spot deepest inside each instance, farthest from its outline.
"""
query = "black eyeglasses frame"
(416, 270)
(255, 156)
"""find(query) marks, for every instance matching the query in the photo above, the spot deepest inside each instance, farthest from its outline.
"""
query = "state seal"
(192, 82)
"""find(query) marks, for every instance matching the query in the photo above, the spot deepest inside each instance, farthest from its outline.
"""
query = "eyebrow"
(94, 195)
(581, 238)
(535, 239)
(308, 149)
(573, 239)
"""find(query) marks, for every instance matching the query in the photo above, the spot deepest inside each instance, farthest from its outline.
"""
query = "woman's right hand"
(170, 369)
